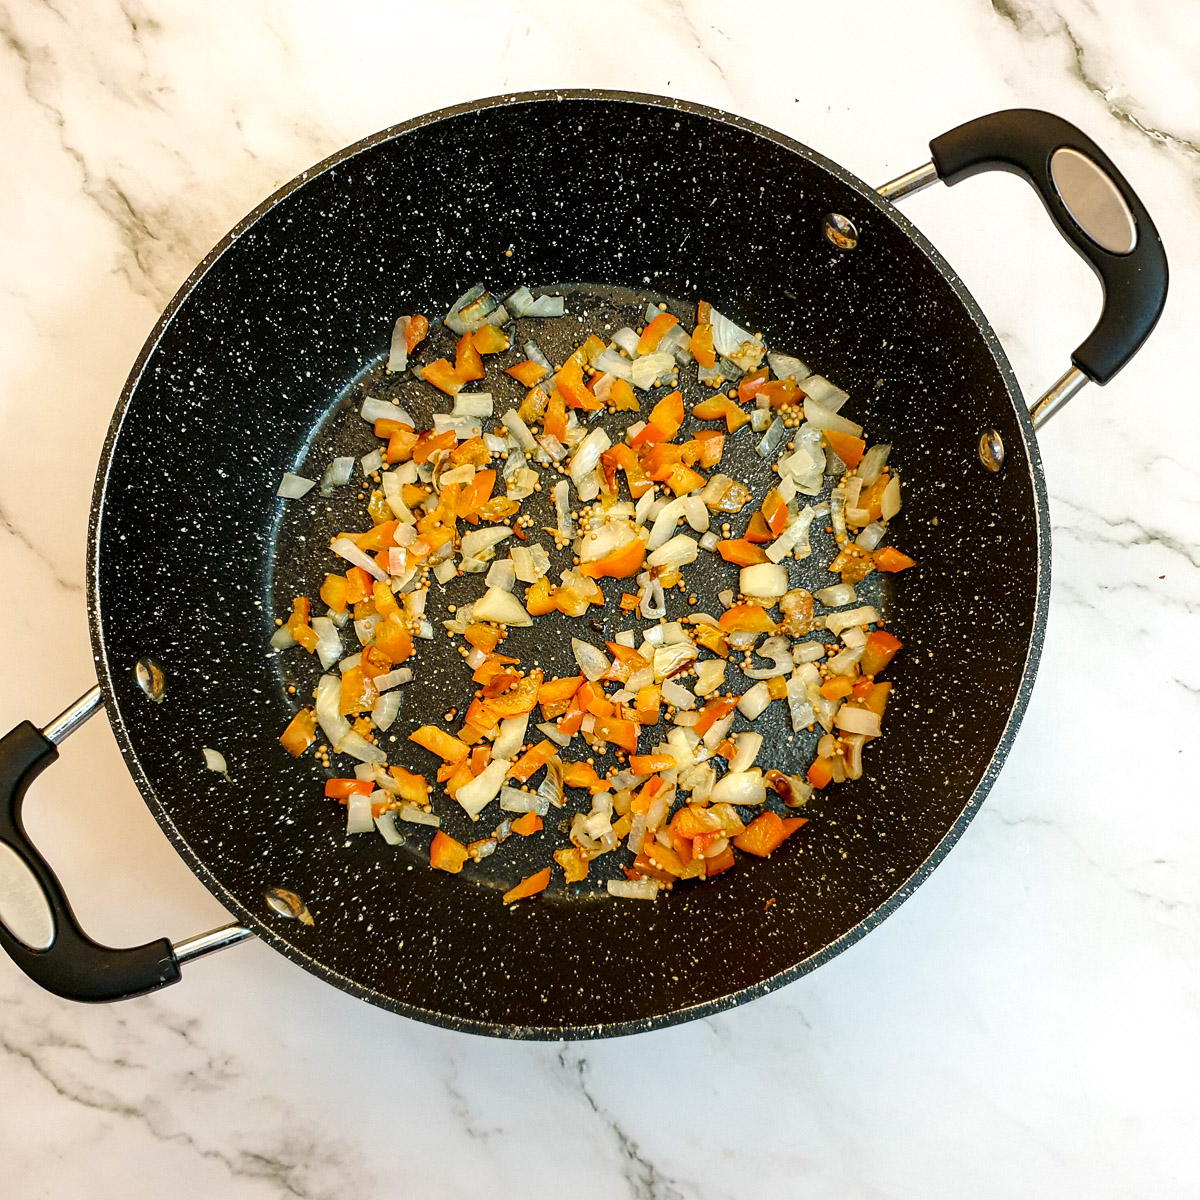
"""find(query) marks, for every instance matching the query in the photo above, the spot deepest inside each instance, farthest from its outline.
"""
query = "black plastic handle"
(73, 966)
(1023, 140)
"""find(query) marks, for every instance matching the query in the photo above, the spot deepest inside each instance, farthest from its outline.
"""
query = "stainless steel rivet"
(991, 450)
(840, 231)
(150, 679)
(287, 904)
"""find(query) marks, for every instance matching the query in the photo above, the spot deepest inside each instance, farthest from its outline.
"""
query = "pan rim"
(271, 934)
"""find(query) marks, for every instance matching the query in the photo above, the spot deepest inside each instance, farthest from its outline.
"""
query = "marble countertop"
(1026, 1025)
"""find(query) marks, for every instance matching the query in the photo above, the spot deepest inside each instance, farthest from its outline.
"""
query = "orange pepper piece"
(847, 447)
(820, 773)
(618, 732)
(701, 345)
(837, 688)
(746, 618)
(527, 825)
(300, 733)
(647, 704)
(714, 710)
(653, 333)
(529, 887)
(478, 493)
(555, 421)
(483, 637)
(582, 775)
(339, 789)
(393, 639)
(443, 377)
(712, 445)
(445, 854)
(467, 363)
(717, 407)
(750, 385)
(648, 764)
(489, 339)
(358, 693)
(878, 652)
(888, 558)
(526, 372)
(683, 480)
(620, 564)
(719, 862)
(520, 699)
(333, 593)
(439, 742)
(414, 333)
(741, 552)
(532, 761)
(767, 832)
(559, 689)
(774, 511)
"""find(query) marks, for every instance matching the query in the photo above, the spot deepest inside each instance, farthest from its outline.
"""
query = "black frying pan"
(613, 198)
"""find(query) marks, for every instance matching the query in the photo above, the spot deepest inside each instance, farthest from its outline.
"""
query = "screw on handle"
(48, 944)
(1093, 207)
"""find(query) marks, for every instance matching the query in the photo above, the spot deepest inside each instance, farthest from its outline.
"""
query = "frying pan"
(610, 198)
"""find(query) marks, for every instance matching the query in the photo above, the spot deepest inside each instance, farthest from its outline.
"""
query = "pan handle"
(37, 927)
(1093, 207)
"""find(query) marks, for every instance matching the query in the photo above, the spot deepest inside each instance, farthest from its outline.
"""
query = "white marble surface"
(1027, 1025)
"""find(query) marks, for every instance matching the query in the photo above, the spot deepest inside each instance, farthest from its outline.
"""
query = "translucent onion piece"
(857, 720)
(292, 487)
(512, 734)
(794, 539)
(709, 542)
(614, 363)
(387, 708)
(514, 800)
(418, 816)
(626, 340)
(677, 552)
(397, 678)
(592, 662)
(501, 607)
(817, 388)
(633, 889)
(554, 733)
(329, 641)
(872, 463)
(373, 410)
(398, 350)
(784, 366)
(481, 543)
(771, 440)
(871, 536)
(820, 417)
(800, 710)
(648, 369)
(282, 638)
(754, 702)
(473, 404)
(475, 796)
(345, 548)
(337, 474)
(547, 306)
(358, 747)
(746, 751)
(741, 787)
(679, 696)
(386, 824)
(695, 513)
(709, 676)
(587, 456)
(520, 431)
(502, 574)
(889, 502)
(327, 706)
(214, 760)
(562, 509)
(836, 596)
(865, 615)
(665, 521)
(358, 813)
(764, 581)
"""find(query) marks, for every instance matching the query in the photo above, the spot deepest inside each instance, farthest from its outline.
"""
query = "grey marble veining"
(1024, 1025)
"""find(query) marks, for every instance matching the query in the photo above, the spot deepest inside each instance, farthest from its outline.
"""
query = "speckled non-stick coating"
(252, 372)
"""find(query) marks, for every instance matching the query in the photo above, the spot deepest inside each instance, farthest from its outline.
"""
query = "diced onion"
(679, 696)
(418, 816)
(857, 720)
(502, 574)
(614, 363)
(800, 710)
(512, 734)
(397, 678)
(398, 350)
(514, 800)
(562, 509)
(292, 487)
(741, 787)
(677, 552)
(776, 432)
(358, 747)
(501, 607)
(763, 581)
(820, 417)
(648, 369)
(387, 708)
(871, 536)
(473, 404)
(709, 676)
(329, 641)
(336, 474)
(889, 502)
(358, 813)
(785, 366)
(836, 595)
(384, 410)
(386, 824)
(754, 702)
(547, 306)
(592, 662)
(808, 652)
(328, 709)
(520, 431)
(776, 649)
(282, 638)
(817, 388)
(746, 751)
(479, 793)
(214, 760)
(344, 548)
(633, 889)
(794, 539)
(873, 461)
(481, 543)
(554, 733)
(587, 456)
(626, 339)
(865, 615)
